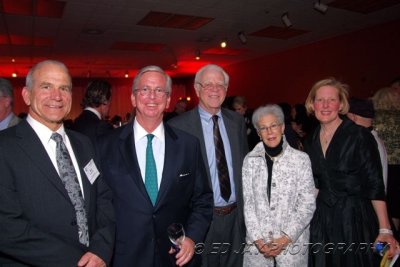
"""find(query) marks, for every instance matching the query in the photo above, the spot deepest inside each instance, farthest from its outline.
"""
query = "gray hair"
(29, 77)
(270, 109)
(199, 74)
(6, 89)
(152, 68)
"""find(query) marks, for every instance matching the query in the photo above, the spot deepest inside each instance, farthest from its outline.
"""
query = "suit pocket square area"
(182, 175)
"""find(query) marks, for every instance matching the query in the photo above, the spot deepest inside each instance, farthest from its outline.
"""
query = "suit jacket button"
(272, 208)
(273, 184)
(73, 223)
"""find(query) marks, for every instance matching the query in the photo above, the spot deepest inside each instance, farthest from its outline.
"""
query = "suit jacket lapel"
(170, 160)
(128, 151)
(31, 143)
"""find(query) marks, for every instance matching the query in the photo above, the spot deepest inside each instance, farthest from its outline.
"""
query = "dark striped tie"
(222, 166)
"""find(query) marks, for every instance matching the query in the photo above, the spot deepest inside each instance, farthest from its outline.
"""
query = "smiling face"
(327, 104)
(50, 97)
(211, 90)
(270, 130)
(150, 107)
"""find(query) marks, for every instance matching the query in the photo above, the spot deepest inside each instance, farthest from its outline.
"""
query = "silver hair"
(199, 74)
(29, 77)
(152, 68)
(270, 109)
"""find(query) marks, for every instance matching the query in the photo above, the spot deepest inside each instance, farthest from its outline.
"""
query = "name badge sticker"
(91, 171)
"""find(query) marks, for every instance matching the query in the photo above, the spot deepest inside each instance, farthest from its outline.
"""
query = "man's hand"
(276, 246)
(186, 252)
(91, 260)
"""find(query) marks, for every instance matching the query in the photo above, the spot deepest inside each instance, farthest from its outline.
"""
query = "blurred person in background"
(387, 123)
(7, 116)
(96, 107)
(239, 104)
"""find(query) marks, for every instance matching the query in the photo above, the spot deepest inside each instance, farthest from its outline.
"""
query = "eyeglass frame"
(210, 86)
(146, 92)
(273, 128)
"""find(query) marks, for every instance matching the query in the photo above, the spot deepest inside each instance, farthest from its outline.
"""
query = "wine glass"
(176, 234)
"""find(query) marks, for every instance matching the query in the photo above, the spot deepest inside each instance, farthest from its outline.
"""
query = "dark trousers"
(224, 242)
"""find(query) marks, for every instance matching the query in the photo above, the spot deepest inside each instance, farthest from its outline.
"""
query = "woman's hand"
(276, 246)
(389, 239)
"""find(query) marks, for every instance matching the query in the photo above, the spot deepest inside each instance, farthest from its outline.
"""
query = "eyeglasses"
(159, 92)
(210, 86)
(273, 128)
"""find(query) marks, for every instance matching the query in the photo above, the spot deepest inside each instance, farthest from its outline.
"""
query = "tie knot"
(215, 119)
(56, 137)
(150, 137)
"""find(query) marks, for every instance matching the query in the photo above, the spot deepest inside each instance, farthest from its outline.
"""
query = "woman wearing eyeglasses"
(351, 210)
(279, 196)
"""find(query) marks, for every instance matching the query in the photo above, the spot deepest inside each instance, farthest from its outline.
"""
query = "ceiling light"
(320, 7)
(126, 75)
(242, 37)
(223, 43)
(14, 74)
(286, 21)
(197, 57)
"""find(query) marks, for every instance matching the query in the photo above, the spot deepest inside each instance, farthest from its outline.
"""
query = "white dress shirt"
(49, 144)
(158, 144)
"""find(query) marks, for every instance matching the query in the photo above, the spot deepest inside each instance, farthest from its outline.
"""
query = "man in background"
(7, 116)
(96, 104)
(223, 139)
(55, 209)
(362, 112)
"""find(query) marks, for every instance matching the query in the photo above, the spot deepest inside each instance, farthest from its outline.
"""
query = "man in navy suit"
(181, 193)
(225, 239)
(38, 216)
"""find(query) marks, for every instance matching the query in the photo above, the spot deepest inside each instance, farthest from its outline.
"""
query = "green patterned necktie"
(151, 171)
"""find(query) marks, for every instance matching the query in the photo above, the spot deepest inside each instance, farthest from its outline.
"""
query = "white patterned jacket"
(292, 195)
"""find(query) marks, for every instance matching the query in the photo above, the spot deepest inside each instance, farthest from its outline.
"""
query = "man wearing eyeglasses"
(210, 124)
(158, 178)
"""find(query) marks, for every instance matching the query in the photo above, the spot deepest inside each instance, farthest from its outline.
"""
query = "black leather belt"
(225, 210)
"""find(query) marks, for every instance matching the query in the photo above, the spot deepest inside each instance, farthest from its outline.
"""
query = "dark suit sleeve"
(202, 202)
(21, 240)
(102, 240)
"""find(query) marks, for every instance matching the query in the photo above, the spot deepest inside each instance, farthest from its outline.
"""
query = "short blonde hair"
(342, 92)
(386, 99)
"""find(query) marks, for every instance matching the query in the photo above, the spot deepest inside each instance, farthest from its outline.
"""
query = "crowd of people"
(316, 184)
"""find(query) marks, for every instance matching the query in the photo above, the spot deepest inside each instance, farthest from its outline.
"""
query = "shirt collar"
(208, 116)
(140, 132)
(42, 131)
(94, 111)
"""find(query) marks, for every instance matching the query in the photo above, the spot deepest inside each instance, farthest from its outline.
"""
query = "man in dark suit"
(53, 212)
(150, 197)
(96, 104)
(225, 239)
